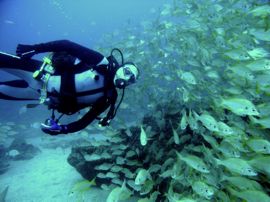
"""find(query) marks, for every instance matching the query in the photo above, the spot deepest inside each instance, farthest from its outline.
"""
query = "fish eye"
(249, 170)
(246, 108)
(264, 147)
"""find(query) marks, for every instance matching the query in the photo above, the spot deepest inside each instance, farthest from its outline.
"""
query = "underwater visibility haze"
(195, 127)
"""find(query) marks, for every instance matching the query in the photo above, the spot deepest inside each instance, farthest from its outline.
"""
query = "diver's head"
(125, 75)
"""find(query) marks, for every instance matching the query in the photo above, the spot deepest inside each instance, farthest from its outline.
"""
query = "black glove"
(25, 51)
(52, 128)
(104, 122)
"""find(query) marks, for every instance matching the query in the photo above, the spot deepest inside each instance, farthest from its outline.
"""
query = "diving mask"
(126, 75)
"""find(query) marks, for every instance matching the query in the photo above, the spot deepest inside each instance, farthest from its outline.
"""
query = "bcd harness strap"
(68, 95)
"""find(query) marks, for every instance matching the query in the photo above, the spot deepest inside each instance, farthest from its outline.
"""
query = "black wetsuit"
(89, 59)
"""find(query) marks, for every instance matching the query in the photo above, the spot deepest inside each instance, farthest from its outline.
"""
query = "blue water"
(82, 21)
(37, 21)
(200, 43)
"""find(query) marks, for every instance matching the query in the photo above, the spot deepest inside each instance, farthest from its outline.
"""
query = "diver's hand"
(25, 51)
(52, 128)
(104, 122)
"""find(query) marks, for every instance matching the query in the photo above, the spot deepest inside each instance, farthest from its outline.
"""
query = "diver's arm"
(101, 105)
(87, 55)
(89, 117)
(93, 113)
(113, 99)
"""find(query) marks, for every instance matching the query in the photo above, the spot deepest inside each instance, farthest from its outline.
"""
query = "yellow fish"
(143, 137)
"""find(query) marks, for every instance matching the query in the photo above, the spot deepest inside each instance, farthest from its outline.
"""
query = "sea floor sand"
(46, 178)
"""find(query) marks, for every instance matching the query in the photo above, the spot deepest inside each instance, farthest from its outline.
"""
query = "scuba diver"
(74, 78)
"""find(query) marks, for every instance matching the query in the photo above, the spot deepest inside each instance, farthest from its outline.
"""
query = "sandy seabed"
(47, 177)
